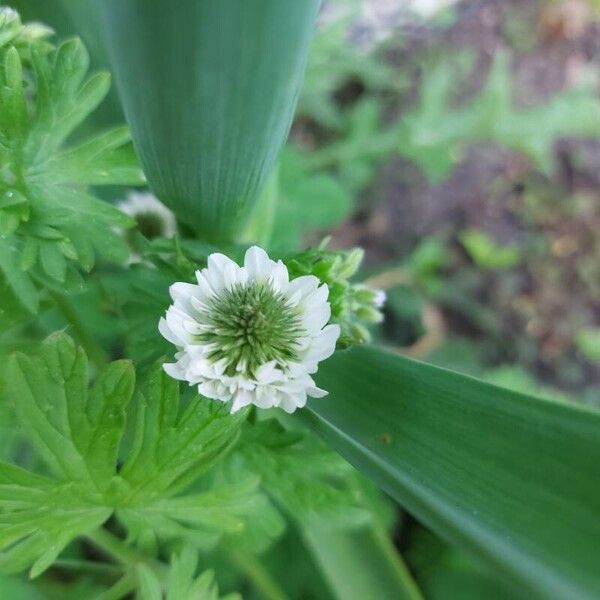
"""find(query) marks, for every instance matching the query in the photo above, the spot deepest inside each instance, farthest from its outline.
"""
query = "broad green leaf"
(209, 88)
(509, 477)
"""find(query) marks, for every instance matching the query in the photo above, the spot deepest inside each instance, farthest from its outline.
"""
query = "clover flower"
(249, 334)
(153, 217)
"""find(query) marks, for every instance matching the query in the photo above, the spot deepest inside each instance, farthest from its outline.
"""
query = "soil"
(541, 305)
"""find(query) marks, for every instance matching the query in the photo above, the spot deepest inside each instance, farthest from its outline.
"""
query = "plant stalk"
(267, 587)
(115, 548)
(122, 588)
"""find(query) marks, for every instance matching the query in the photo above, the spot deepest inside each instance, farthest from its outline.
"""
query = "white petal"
(323, 346)
(265, 397)
(241, 399)
(175, 318)
(257, 263)
(182, 292)
(174, 370)
(268, 373)
(166, 332)
(315, 318)
(288, 404)
(316, 392)
(279, 278)
(305, 285)
(316, 298)
(203, 284)
(215, 273)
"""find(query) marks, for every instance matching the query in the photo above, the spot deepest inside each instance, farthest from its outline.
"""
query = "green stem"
(116, 548)
(394, 559)
(94, 351)
(74, 564)
(122, 588)
(258, 575)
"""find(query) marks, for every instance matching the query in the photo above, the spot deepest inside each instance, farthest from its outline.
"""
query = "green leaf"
(39, 517)
(486, 253)
(209, 89)
(435, 132)
(47, 216)
(78, 433)
(306, 202)
(16, 589)
(507, 476)
(361, 564)
(199, 519)
(182, 582)
(21, 284)
(313, 485)
(172, 446)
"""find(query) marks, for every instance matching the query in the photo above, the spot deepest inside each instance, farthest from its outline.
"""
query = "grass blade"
(209, 88)
(509, 477)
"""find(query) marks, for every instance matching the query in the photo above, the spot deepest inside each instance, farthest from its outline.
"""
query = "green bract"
(49, 220)
(352, 305)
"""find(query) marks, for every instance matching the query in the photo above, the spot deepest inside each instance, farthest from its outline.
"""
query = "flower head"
(249, 334)
(153, 217)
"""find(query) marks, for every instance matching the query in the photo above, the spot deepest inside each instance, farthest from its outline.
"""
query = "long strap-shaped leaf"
(209, 88)
(513, 478)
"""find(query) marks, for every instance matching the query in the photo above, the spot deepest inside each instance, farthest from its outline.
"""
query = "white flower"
(153, 217)
(380, 298)
(249, 334)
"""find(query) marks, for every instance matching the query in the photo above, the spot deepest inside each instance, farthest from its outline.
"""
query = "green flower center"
(251, 325)
(150, 224)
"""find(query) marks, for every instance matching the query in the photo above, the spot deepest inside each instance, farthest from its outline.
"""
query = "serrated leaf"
(52, 260)
(42, 184)
(182, 582)
(106, 158)
(172, 445)
(199, 519)
(312, 484)
(77, 433)
(21, 284)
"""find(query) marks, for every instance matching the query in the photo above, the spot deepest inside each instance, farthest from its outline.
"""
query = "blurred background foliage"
(459, 144)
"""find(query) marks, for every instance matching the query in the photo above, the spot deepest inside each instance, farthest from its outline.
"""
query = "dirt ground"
(537, 308)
